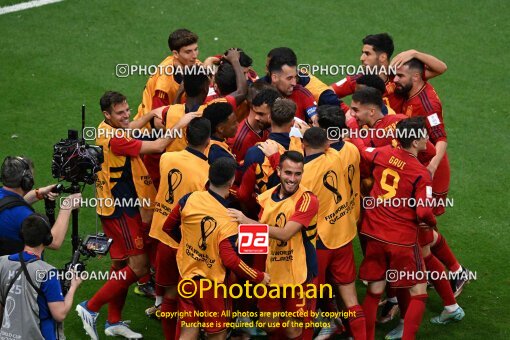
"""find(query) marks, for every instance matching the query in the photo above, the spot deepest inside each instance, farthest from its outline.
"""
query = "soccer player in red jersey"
(366, 107)
(258, 174)
(376, 52)
(282, 74)
(392, 229)
(421, 100)
(254, 128)
(122, 176)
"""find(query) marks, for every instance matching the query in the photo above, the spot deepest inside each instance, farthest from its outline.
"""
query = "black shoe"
(389, 311)
(459, 280)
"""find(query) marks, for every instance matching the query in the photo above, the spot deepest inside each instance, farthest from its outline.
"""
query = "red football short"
(289, 303)
(208, 303)
(401, 266)
(337, 266)
(425, 236)
(167, 273)
(441, 184)
(127, 234)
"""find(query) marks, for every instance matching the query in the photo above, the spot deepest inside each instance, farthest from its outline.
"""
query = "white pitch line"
(26, 5)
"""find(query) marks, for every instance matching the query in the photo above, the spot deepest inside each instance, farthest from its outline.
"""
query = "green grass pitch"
(57, 57)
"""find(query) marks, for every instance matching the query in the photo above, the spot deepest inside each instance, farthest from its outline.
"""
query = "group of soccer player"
(263, 150)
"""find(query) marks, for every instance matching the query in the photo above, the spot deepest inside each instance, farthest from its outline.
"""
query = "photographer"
(30, 293)
(16, 197)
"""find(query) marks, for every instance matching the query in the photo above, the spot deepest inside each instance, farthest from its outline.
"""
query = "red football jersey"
(244, 139)
(426, 103)
(306, 105)
(401, 197)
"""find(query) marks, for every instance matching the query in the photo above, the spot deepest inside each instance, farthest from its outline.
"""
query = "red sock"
(391, 292)
(116, 305)
(442, 285)
(160, 291)
(299, 337)
(277, 334)
(370, 305)
(357, 322)
(112, 289)
(443, 252)
(307, 333)
(144, 279)
(413, 317)
(169, 324)
(403, 297)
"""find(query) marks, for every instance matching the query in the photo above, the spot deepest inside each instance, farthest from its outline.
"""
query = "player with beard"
(282, 74)
(254, 128)
(420, 99)
(291, 212)
(376, 52)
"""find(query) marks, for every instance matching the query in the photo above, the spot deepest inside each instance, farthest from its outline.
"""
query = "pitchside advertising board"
(253, 239)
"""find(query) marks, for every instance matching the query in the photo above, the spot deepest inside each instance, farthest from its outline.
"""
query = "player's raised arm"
(159, 145)
(241, 91)
(143, 120)
(433, 66)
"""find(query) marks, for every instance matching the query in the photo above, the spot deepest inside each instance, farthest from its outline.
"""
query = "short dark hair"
(180, 38)
(279, 57)
(35, 229)
(415, 64)
(331, 116)
(110, 99)
(368, 95)
(225, 78)
(195, 83)
(381, 42)
(255, 88)
(293, 156)
(282, 52)
(217, 113)
(12, 170)
(409, 130)
(244, 59)
(372, 80)
(267, 96)
(316, 137)
(198, 131)
(283, 111)
(222, 171)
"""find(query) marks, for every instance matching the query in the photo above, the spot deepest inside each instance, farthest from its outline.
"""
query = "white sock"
(451, 308)
(393, 299)
(159, 300)
(458, 271)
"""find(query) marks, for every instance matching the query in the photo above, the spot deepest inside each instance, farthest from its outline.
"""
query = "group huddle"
(281, 150)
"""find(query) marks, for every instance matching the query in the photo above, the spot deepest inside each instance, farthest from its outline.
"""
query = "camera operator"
(16, 197)
(30, 291)
(123, 176)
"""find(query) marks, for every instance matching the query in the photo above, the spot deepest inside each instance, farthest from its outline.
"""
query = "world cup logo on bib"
(281, 221)
(8, 309)
(330, 181)
(174, 180)
(207, 226)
